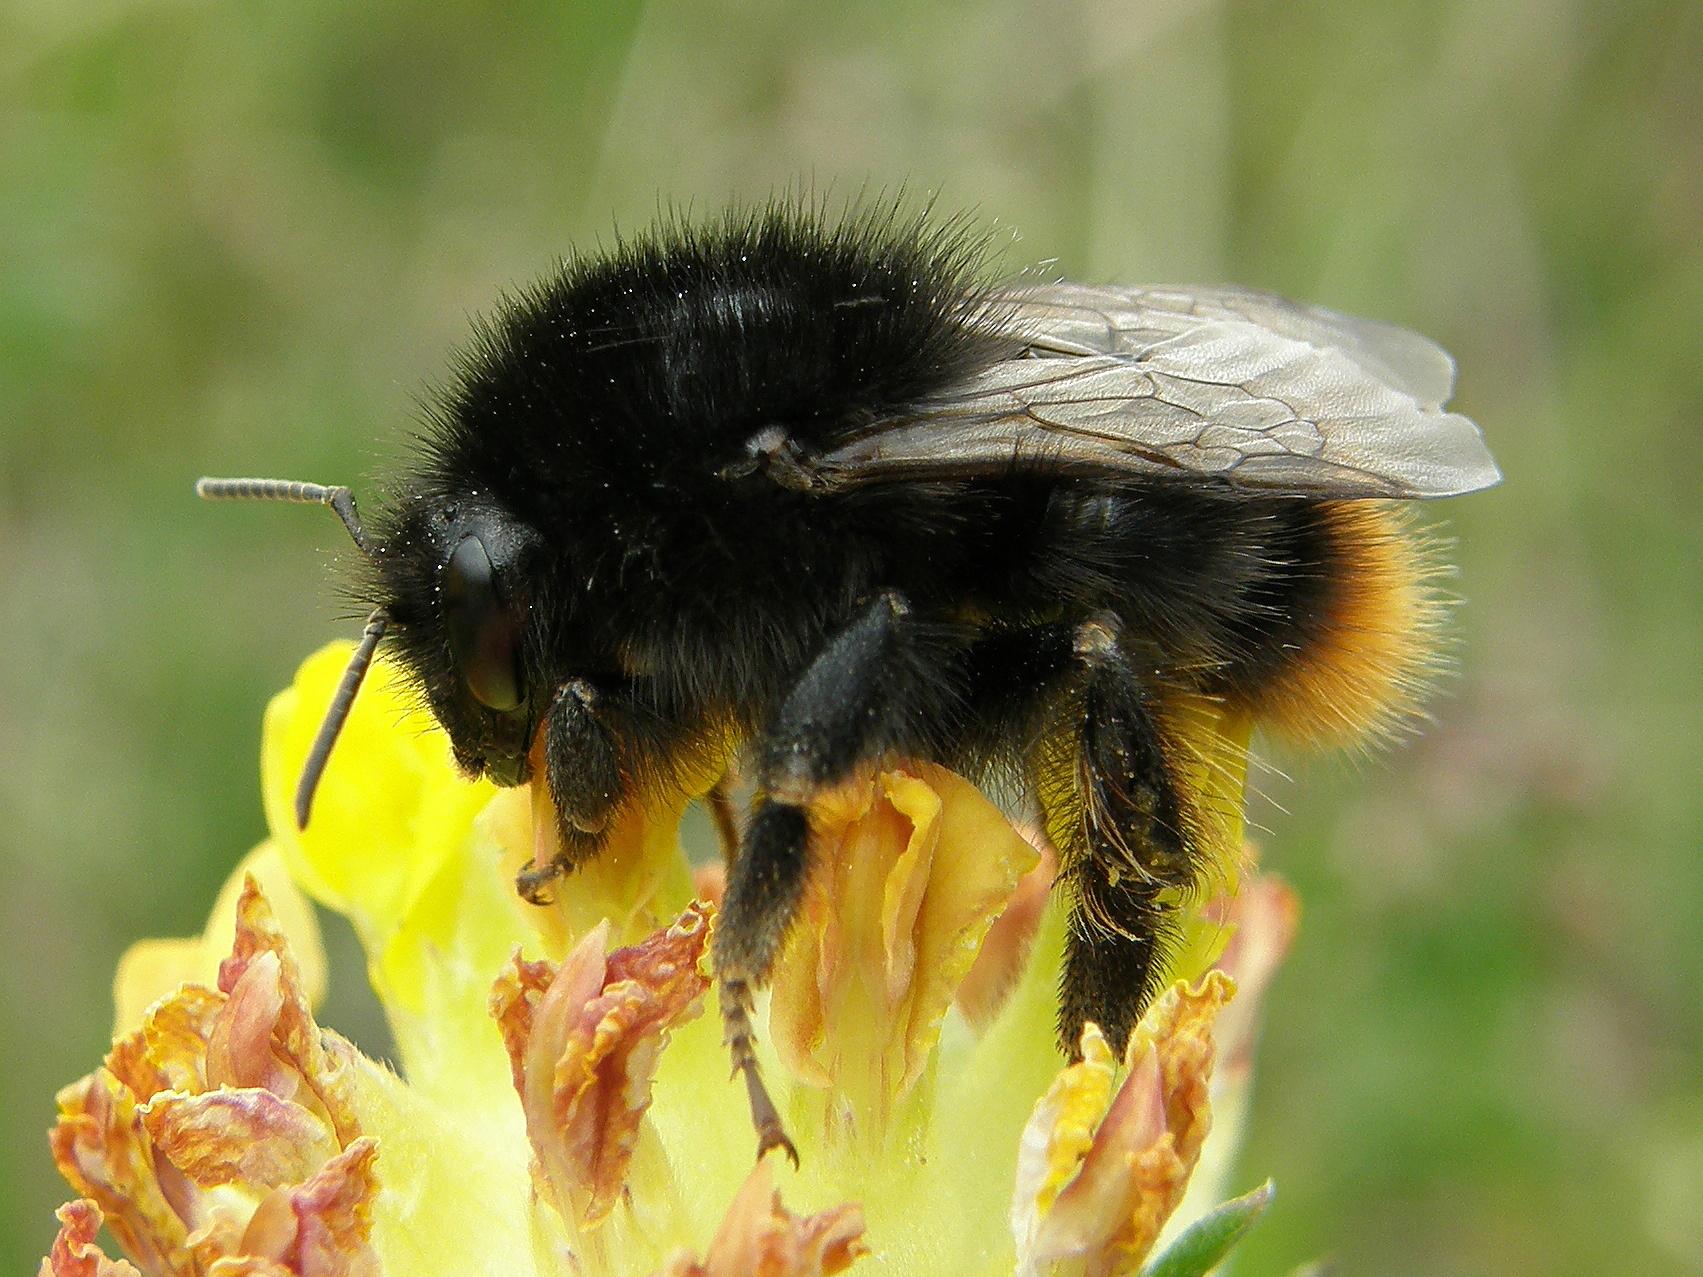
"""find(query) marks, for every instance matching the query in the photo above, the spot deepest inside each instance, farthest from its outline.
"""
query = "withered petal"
(248, 1137)
(759, 1237)
(1098, 1180)
(249, 1266)
(169, 1051)
(1265, 913)
(333, 1213)
(220, 1100)
(102, 1149)
(75, 1252)
(317, 1066)
(583, 1041)
(239, 1052)
(514, 1000)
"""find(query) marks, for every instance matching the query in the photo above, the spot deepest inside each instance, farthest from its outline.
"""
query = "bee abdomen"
(1344, 631)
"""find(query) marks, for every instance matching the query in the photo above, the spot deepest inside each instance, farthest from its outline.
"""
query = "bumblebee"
(811, 484)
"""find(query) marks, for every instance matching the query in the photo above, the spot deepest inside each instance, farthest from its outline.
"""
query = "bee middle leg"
(1131, 848)
(860, 697)
(719, 801)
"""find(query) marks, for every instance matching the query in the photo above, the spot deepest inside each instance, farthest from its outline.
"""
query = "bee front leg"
(583, 768)
(860, 697)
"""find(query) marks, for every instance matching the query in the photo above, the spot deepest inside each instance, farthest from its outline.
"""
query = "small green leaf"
(1204, 1243)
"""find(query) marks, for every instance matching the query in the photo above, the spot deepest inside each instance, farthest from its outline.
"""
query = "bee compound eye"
(484, 634)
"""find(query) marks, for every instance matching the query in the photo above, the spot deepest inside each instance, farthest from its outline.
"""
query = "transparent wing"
(1220, 384)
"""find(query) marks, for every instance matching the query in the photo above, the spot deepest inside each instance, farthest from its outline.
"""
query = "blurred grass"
(241, 239)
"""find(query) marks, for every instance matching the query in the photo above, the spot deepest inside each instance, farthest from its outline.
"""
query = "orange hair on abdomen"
(1374, 644)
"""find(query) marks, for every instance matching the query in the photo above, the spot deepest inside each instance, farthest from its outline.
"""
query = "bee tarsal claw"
(534, 883)
(764, 1116)
(776, 1138)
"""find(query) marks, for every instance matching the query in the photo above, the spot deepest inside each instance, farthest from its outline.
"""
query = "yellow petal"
(638, 882)
(1127, 1184)
(389, 812)
(456, 1196)
(397, 844)
(910, 872)
(423, 863)
(1059, 1134)
(390, 774)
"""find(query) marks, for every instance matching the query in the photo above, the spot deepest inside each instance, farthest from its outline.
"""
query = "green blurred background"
(241, 238)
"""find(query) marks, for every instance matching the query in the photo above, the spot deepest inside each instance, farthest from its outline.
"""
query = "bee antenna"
(342, 503)
(337, 712)
(339, 498)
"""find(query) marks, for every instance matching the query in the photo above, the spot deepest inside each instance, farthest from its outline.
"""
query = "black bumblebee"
(813, 485)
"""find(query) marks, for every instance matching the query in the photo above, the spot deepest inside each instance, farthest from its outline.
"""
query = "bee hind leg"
(1130, 850)
(856, 700)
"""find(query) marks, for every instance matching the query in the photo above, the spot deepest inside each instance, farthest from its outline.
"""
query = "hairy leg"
(1070, 695)
(719, 802)
(1131, 844)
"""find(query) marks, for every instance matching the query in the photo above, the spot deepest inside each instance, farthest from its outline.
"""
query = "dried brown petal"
(265, 990)
(224, 1128)
(333, 1213)
(249, 1138)
(101, 1148)
(1265, 914)
(760, 1238)
(1097, 1181)
(74, 1252)
(583, 1041)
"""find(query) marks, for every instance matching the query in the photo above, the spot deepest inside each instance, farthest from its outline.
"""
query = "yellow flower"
(563, 1107)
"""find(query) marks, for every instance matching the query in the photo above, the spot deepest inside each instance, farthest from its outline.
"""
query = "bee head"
(451, 577)
(445, 577)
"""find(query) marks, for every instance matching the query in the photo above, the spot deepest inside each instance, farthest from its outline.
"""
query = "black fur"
(619, 439)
